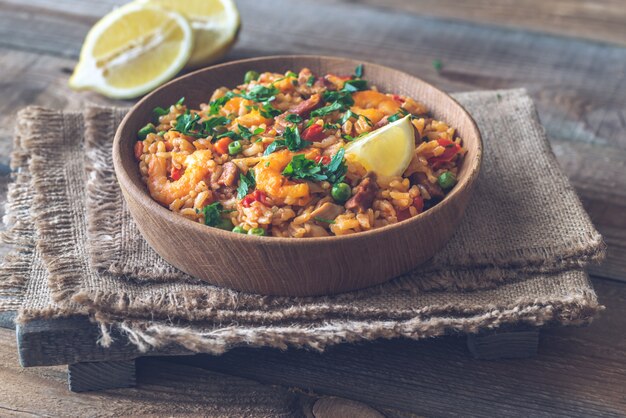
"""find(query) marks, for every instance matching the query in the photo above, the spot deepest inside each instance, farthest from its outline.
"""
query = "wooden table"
(580, 89)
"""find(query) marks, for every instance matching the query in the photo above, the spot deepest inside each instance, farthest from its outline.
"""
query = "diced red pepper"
(313, 133)
(397, 98)
(255, 196)
(451, 149)
(176, 173)
(418, 202)
(403, 214)
(325, 159)
(138, 149)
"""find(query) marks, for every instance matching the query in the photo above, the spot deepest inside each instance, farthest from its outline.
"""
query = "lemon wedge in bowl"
(386, 151)
(215, 25)
(133, 50)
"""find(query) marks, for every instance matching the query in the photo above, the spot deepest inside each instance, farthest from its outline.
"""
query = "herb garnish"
(437, 65)
(246, 133)
(159, 111)
(247, 182)
(310, 81)
(355, 85)
(401, 113)
(212, 214)
(302, 168)
(215, 105)
(180, 101)
(293, 118)
(260, 93)
(188, 124)
(291, 140)
(328, 221)
(268, 111)
(358, 71)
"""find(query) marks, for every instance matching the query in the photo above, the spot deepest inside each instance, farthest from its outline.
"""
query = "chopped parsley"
(291, 140)
(246, 133)
(231, 134)
(340, 100)
(212, 214)
(401, 113)
(159, 111)
(358, 71)
(215, 105)
(268, 111)
(260, 93)
(247, 182)
(323, 111)
(293, 118)
(328, 221)
(349, 114)
(355, 85)
(437, 65)
(302, 168)
(188, 124)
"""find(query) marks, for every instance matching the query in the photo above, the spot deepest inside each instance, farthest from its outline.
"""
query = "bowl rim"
(148, 202)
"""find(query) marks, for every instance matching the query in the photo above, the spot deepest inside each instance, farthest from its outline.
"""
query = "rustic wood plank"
(331, 407)
(164, 389)
(73, 340)
(503, 345)
(421, 377)
(7, 320)
(600, 20)
(101, 375)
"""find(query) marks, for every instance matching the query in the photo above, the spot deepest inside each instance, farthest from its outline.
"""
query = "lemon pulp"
(386, 151)
(132, 50)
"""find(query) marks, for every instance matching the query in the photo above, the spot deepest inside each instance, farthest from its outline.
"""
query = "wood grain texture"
(599, 20)
(504, 345)
(579, 86)
(92, 376)
(73, 340)
(331, 407)
(284, 266)
(578, 372)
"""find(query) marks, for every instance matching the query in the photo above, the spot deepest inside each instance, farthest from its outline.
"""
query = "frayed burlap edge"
(20, 233)
(154, 335)
(53, 218)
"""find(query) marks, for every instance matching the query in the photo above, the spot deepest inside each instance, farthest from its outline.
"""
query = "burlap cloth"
(517, 258)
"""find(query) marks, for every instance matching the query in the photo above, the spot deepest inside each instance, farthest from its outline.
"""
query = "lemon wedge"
(133, 50)
(215, 24)
(386, 151)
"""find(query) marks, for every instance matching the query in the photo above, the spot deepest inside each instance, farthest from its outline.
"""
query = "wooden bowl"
(287, 266)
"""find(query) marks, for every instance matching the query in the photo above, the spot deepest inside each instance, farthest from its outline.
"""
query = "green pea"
(250, 75)
(234, 147)
(225, 224)
(341, 192)
(446, 180)
(143, 132)
(239, 230)
(257, 231)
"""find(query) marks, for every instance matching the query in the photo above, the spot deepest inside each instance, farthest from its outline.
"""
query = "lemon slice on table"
(133, 50)
(215, 24)
(386, 151)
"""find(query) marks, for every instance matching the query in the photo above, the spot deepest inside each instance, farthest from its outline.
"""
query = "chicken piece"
(366, 192)
(230, 174)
